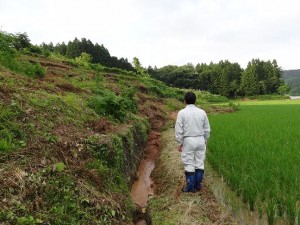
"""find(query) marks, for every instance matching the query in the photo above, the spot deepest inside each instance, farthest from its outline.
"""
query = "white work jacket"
(191, 122)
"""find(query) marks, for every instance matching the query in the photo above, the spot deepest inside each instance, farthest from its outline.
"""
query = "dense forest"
(225, 78)
(98, 53)
(292, 78)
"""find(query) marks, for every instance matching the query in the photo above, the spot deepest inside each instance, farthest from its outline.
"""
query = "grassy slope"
(62, 163)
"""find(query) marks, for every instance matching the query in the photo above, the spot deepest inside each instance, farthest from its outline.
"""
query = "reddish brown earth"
(144, 186)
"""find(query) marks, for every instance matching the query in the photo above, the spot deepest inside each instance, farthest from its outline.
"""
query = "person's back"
(192, 131)
(194, 122)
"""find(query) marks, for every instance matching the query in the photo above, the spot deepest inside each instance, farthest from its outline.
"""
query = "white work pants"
(193, 153)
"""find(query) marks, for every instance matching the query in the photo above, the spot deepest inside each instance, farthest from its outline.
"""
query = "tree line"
(225, 78)
(98, 53)
(292, 78)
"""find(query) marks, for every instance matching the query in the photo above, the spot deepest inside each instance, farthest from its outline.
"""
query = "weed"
(29, 220)
(4, 145)
(10, 133)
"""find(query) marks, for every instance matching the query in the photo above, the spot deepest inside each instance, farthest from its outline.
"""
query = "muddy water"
(144, 187)
(229, 199)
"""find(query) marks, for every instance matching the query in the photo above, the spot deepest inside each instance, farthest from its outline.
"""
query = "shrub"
(84, 59)
(10, 58)
(35, 49)
(112, 106)
(34, 70)
(234, 106)
(208, 97)
(161, 90)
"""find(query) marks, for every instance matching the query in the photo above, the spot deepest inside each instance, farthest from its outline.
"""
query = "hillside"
(292, 78)
(71, 141)
(72, 135)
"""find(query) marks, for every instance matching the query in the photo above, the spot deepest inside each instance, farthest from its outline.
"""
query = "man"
(192, 131)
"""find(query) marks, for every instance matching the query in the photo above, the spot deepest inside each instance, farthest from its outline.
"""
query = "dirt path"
(170, 205)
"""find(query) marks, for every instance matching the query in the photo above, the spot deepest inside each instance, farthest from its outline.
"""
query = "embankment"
(71, 142)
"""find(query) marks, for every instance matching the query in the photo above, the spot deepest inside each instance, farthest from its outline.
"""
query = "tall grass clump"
(10, 133)
(257, 152)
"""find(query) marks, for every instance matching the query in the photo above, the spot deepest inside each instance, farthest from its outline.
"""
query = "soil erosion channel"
(144, 187)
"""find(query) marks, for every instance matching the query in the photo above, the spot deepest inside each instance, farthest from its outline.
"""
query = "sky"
(166, 32)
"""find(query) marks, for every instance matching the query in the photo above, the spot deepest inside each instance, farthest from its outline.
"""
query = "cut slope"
(64, 157)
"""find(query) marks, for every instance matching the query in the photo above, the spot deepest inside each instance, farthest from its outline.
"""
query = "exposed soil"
(101, 125)
(69, 88)
(144, 186)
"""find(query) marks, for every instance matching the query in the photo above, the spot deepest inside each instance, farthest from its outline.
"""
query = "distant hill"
(292, 78)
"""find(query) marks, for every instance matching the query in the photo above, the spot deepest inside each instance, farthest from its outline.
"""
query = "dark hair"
(190, 98)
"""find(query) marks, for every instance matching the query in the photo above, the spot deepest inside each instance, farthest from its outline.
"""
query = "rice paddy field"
(257, 151)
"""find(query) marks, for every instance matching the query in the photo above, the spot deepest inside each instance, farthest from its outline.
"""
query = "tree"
(21, 41)
(261, 77)
(73, 48)
(249, 81)
(137, 65)
(84, 58)
(283, 89)
(61, 48)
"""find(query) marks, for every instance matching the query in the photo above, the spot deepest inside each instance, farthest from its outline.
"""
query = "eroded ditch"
(143, 187)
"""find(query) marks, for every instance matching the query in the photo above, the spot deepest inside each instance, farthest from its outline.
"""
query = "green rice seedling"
(257, 152)
(271, 212)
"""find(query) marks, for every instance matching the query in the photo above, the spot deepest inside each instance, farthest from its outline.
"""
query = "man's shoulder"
(186, 109)
(181, 111)
(201, 110)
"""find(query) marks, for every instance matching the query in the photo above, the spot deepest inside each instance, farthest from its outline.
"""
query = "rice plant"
(256, 150)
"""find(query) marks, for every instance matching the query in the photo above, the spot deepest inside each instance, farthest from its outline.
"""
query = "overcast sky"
(164, 32)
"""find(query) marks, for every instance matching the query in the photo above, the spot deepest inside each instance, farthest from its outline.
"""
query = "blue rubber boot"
(190, 182)
(198, 179)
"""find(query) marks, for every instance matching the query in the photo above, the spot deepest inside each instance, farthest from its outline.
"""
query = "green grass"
(11, 135)
(257, 152)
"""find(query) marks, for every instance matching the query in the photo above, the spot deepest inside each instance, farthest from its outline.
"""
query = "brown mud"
(143, 187)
